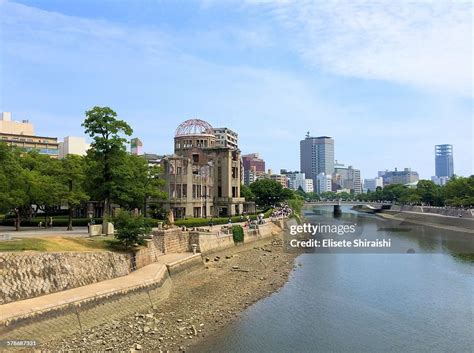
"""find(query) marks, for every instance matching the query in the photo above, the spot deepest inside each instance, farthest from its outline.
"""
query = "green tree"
(459, 191)
(329, 195)
(143, 184)
(296, 204)
(429, 192)
(131, 229)
(267, 192)
(409, 195)
(107, 155)
(28, 182)
(13, 183)
(47, 191)
(392, 192)
(312, 196)
(73, 177)
(247, 193)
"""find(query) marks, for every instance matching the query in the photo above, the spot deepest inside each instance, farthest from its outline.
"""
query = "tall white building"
(324, 183)
(440, 180)
(308, 185)
(297, 180)
(372, 184)
(226, 138)
(73, 145)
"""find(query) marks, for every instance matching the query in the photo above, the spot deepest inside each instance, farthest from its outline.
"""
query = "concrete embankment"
(458, 224)
(82, 308)
(87, 306)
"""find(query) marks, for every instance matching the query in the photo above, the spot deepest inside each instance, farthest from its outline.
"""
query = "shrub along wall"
(238, 234)
(202, 222)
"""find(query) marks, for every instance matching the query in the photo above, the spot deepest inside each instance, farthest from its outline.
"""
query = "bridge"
(350, 203)
(371, 207)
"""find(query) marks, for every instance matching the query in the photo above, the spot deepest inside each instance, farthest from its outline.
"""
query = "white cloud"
(57, 66)
(423, 44)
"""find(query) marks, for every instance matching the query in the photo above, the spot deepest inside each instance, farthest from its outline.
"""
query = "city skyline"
(156, 67)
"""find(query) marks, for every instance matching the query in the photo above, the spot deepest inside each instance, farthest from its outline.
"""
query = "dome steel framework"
(194, 127)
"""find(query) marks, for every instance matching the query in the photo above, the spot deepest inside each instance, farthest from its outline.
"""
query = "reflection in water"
(348, 302)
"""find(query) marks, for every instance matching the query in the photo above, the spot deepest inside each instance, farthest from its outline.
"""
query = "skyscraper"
(316, 156)
(444, 161)
(347, 178)
(136, 146)
(253, 160)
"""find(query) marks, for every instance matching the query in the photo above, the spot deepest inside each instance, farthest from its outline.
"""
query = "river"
(366, 302)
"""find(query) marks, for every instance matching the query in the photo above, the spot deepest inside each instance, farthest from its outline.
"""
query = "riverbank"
(199, 304)
(456, 224)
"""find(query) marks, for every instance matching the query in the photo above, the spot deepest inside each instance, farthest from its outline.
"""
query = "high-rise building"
(440, 180)
(373, 184)
(298, 180)
(22, 134)
(250, 176)
(73, 145)
(136, 146)
(347, 178)
(253, 160)
(226, 138)
(444, 161)
(324, 183)
(279, 178)
(405, 176)
(316, 156)
(308, 185)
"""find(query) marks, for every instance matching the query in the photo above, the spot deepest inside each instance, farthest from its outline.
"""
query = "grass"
(57, 244)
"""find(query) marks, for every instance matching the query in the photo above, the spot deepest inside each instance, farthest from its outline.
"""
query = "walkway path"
(146, 275)
(27, 232)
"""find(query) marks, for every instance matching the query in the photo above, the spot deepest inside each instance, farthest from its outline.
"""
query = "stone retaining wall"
(31, 274)
(171, 241)
(433, 210)
(212, 241)
(176, 240)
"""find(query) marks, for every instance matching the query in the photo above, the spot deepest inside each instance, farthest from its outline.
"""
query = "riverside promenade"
(31, 232)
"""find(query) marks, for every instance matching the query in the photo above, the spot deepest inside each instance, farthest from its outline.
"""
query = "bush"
(131, 229)
(296, 205)
(152, 222)
(238, 234)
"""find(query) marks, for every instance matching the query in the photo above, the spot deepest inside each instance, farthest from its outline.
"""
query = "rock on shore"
(201, 302)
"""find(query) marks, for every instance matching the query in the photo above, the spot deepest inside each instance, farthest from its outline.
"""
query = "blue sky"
(388, 80)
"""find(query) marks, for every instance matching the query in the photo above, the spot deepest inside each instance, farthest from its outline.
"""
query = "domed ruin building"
(203, 176)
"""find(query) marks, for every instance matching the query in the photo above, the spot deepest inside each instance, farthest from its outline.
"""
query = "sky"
(387, 80)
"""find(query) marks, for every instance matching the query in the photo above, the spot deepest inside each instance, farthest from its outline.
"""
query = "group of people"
(47, 224)
(281, 212)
